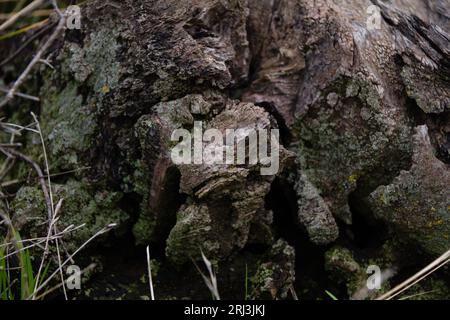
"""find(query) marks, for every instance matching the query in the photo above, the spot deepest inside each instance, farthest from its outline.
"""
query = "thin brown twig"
(10, 232)
(9, 287)
(53, 175)
(44, 29)
(21, 95)
(29, 8)
(39, 240)
(38, 56)
(7, 166)
(90, 267)
(35, 166)
(10, 145)
(99, 233)
(36, 242)
(53, 210)
(36, 13)
(16, 129)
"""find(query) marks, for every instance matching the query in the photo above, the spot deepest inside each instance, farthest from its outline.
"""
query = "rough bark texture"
(363, 114)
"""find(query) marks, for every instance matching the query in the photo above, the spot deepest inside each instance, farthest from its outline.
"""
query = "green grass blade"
(332, 296)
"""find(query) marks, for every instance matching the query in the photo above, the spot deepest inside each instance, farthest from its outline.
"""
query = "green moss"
(339, 258)
(151, 136)
(343, 268)
(68, 125)
(275, 274)
(80, 206)
(355, 143)
(191, 235)
(95, 63)
(143, 228)
(418, 217)
(263, 278)
(69, 119)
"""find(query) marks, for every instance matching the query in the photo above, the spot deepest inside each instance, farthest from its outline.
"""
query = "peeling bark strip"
(362, 110)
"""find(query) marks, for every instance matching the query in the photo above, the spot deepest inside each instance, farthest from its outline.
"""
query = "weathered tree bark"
(363, 115)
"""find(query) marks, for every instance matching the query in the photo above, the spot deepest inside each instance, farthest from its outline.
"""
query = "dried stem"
(29, 8)
(38, 56)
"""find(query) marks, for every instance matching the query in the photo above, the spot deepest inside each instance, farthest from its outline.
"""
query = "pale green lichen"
(144, 227)
(275, 275)
(96, 62)
(68, 119)
(68, 124)
(191, 235)
(139, 182)
(81, 205)
(346, 145)
(149, 131)
(343, 268)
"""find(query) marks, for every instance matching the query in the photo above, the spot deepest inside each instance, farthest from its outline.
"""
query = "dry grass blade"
(150, 280)
(29, 8)
(69, 259)
(417, 295)
(14, 253)
(419, 276)
(210, 282)
(10, 145)
(50, 205)
(9, 287)
(35, 166)
(53, 222)
(23, 30)
(35, 13)
(44, 27)
(16, 129)
(293, 293)
(54, 212)
(89, 268)
(21, 95)
(37, 241)
(37, 57)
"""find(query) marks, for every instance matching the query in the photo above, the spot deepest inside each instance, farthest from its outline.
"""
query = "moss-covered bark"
(363, 116)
